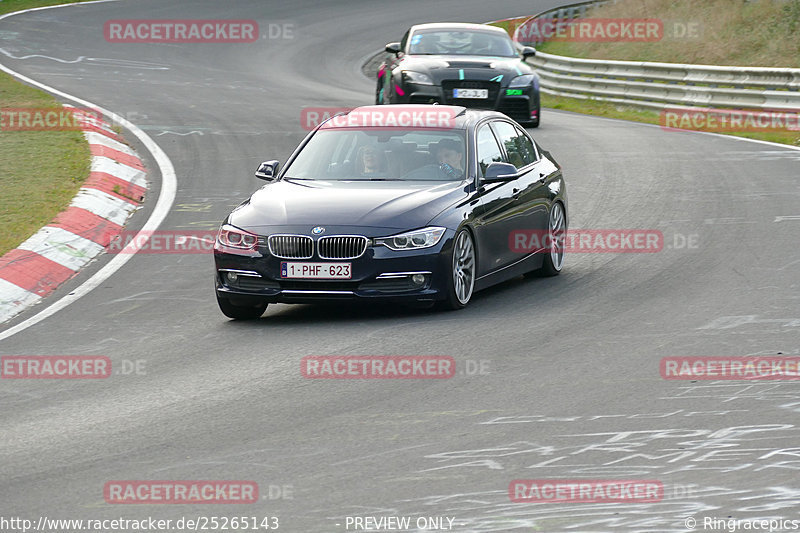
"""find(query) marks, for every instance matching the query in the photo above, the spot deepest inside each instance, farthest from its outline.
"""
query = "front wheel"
(461, 280)
(240, 312)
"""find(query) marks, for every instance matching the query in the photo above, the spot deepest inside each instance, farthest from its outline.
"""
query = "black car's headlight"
(233, 237)
(417, 77)
(412, 240)
(522, 81)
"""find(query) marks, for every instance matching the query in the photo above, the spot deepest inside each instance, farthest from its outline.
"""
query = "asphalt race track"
(570, 387)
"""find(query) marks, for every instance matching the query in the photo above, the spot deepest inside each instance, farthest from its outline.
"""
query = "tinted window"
(526, 147)
(518, 147)
(488, 150)
(458, 42)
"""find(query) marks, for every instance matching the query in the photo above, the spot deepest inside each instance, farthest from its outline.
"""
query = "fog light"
(418, 279)
(232, 277)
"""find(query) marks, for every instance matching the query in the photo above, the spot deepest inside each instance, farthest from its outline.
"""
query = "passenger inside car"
(370, 161)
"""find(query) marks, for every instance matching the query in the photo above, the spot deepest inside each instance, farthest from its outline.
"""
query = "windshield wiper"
(372, 179)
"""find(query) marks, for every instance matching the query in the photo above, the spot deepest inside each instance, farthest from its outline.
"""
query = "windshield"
(347, 154)
(450, 42)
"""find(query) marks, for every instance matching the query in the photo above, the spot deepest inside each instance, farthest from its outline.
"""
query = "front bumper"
(379, 274)
(519, 103)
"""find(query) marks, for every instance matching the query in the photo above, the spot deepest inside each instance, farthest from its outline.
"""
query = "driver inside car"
(449, 164)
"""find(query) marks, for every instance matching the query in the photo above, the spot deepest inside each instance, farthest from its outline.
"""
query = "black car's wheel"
(461, 280)
(240, 312)
(554, 257)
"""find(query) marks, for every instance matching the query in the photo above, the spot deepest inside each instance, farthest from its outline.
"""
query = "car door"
(530, 197)
(494, 212)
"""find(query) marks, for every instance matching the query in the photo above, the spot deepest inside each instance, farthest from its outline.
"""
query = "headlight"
(412, 240)
(417, 77)
(236, 238)
(522, 81)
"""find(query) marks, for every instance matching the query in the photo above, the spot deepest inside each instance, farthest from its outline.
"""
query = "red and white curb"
(114, 189)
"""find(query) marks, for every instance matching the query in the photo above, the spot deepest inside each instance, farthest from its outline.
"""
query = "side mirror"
(268, 170)
(496, 172)
(528, 51)
(393, 48)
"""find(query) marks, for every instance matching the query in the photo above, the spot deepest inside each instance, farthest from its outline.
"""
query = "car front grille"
(516, 108)
(342, 247)
(291, 246)
(484, 103)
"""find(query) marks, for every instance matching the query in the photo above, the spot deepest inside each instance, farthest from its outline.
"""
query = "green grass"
(635, 114)
(730, 32)
(40, 171)
(7, 6)
(765, 33)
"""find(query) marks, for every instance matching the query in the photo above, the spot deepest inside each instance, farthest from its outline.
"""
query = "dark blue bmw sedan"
(422, 204)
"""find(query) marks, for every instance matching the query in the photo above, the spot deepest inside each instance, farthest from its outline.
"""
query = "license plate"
(471, 93)
(316, 270)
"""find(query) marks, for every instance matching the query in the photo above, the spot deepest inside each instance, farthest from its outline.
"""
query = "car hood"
(441, 67)
(398, 205)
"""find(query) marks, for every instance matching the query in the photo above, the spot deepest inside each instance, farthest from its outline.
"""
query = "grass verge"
(765, 33)
(726, 32)
(636, 114)
(40, 171)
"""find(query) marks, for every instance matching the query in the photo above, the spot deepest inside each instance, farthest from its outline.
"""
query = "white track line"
(166, 197)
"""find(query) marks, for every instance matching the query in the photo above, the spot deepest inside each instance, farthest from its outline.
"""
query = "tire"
(461, 274)
(553, 261)
(240, 312)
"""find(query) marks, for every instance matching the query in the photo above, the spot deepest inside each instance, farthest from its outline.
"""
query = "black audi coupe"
(469, 65)
(422, 204)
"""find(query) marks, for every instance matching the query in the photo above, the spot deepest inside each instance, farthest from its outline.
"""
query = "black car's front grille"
(493, 88)
(516, 108)
(291, 246)
(341, 247)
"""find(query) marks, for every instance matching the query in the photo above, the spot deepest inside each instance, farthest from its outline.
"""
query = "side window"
(520, 151)
(526, 148)
(488, 150)
(404, 41)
